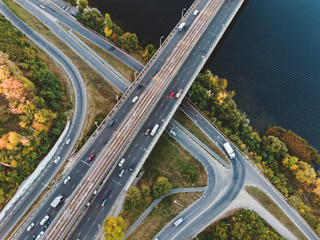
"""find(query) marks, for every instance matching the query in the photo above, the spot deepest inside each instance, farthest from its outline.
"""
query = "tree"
(145, 190)
(274, 146)
(108, 21)
(133, 195)
(161, 187)
(93, 19)
(129, 42)
(83, 4)
(107, 32)
(114, 228)
(305, 173)
(73, 2)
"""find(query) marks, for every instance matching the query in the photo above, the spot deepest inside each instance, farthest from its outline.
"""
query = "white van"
(178, 221)
(44, 220)
(135, 99)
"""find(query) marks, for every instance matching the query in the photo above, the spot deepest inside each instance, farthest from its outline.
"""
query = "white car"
(121, 162)
(40, 235)
(43, 7)
(121, 173)
(56, 160)
(67, 180)
(173, 133)
(30, 227)
(135, 99)
(68, 141)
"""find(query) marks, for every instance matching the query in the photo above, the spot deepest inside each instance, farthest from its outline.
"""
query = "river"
(270, 56)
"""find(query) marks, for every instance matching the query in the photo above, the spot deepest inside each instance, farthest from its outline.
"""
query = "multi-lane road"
(195, 58)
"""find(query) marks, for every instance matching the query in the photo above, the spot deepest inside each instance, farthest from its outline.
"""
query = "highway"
(75, 127)
(112, 196)
(197, 53)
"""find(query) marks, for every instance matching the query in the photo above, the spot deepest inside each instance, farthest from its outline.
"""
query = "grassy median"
(274, 209)
(184, 120)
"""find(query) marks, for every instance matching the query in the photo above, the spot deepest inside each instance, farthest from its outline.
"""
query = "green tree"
(93, 19)
(133, 195)
(161, 187)
(274, 146)
(145, 190)
(83, 4)
(114, 228)
(108, 21)
(73, 2)
(129, 42)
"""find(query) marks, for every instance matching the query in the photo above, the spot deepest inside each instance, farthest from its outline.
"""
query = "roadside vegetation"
(275, 210)
(103, 25)
(285, 158)
(122, 68)
(33, 105)
(184, 120)
(167, 209)
(244, 224)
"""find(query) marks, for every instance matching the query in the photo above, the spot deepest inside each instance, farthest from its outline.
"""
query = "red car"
(91, 157)
(147, 132)
(171, 94)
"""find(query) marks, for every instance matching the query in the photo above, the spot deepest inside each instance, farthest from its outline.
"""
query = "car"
(135, 99)
(95, 192)
(155, 72)
(68, 141)
(132, 168)
(43, 7)
(104, 202)
(112, 48)
(30, 227)
(121, 173)
(195, 13)
(91, 157)
(111, 123)
(139, 85)
(88, 204)
(67, 8)
(178, 221)
(40, 235)
(44, 220)
(47, 224)
(56, 160)
(121, 162)
(173, 133)
(204, 52)
(171, 94)
(67, 180)
(147, 132)
(33, 237)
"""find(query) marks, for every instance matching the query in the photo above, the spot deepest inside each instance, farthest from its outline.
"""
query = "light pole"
(96, 123)
(182, 12)
(160, 40)
(178, 203)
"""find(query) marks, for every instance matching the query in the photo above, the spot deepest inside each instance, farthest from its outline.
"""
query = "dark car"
(204, 52)
(47, 224)
(33, 237)
(111, 123)
(139, 85)
(111, 48)
(155, 72)
(171, 94)
(132, 168)
(91, 157)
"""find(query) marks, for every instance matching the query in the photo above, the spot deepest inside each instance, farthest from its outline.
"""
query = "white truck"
(179, 93)
(56, 201)
(229, 150)
(154, 130)
(182, 26)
